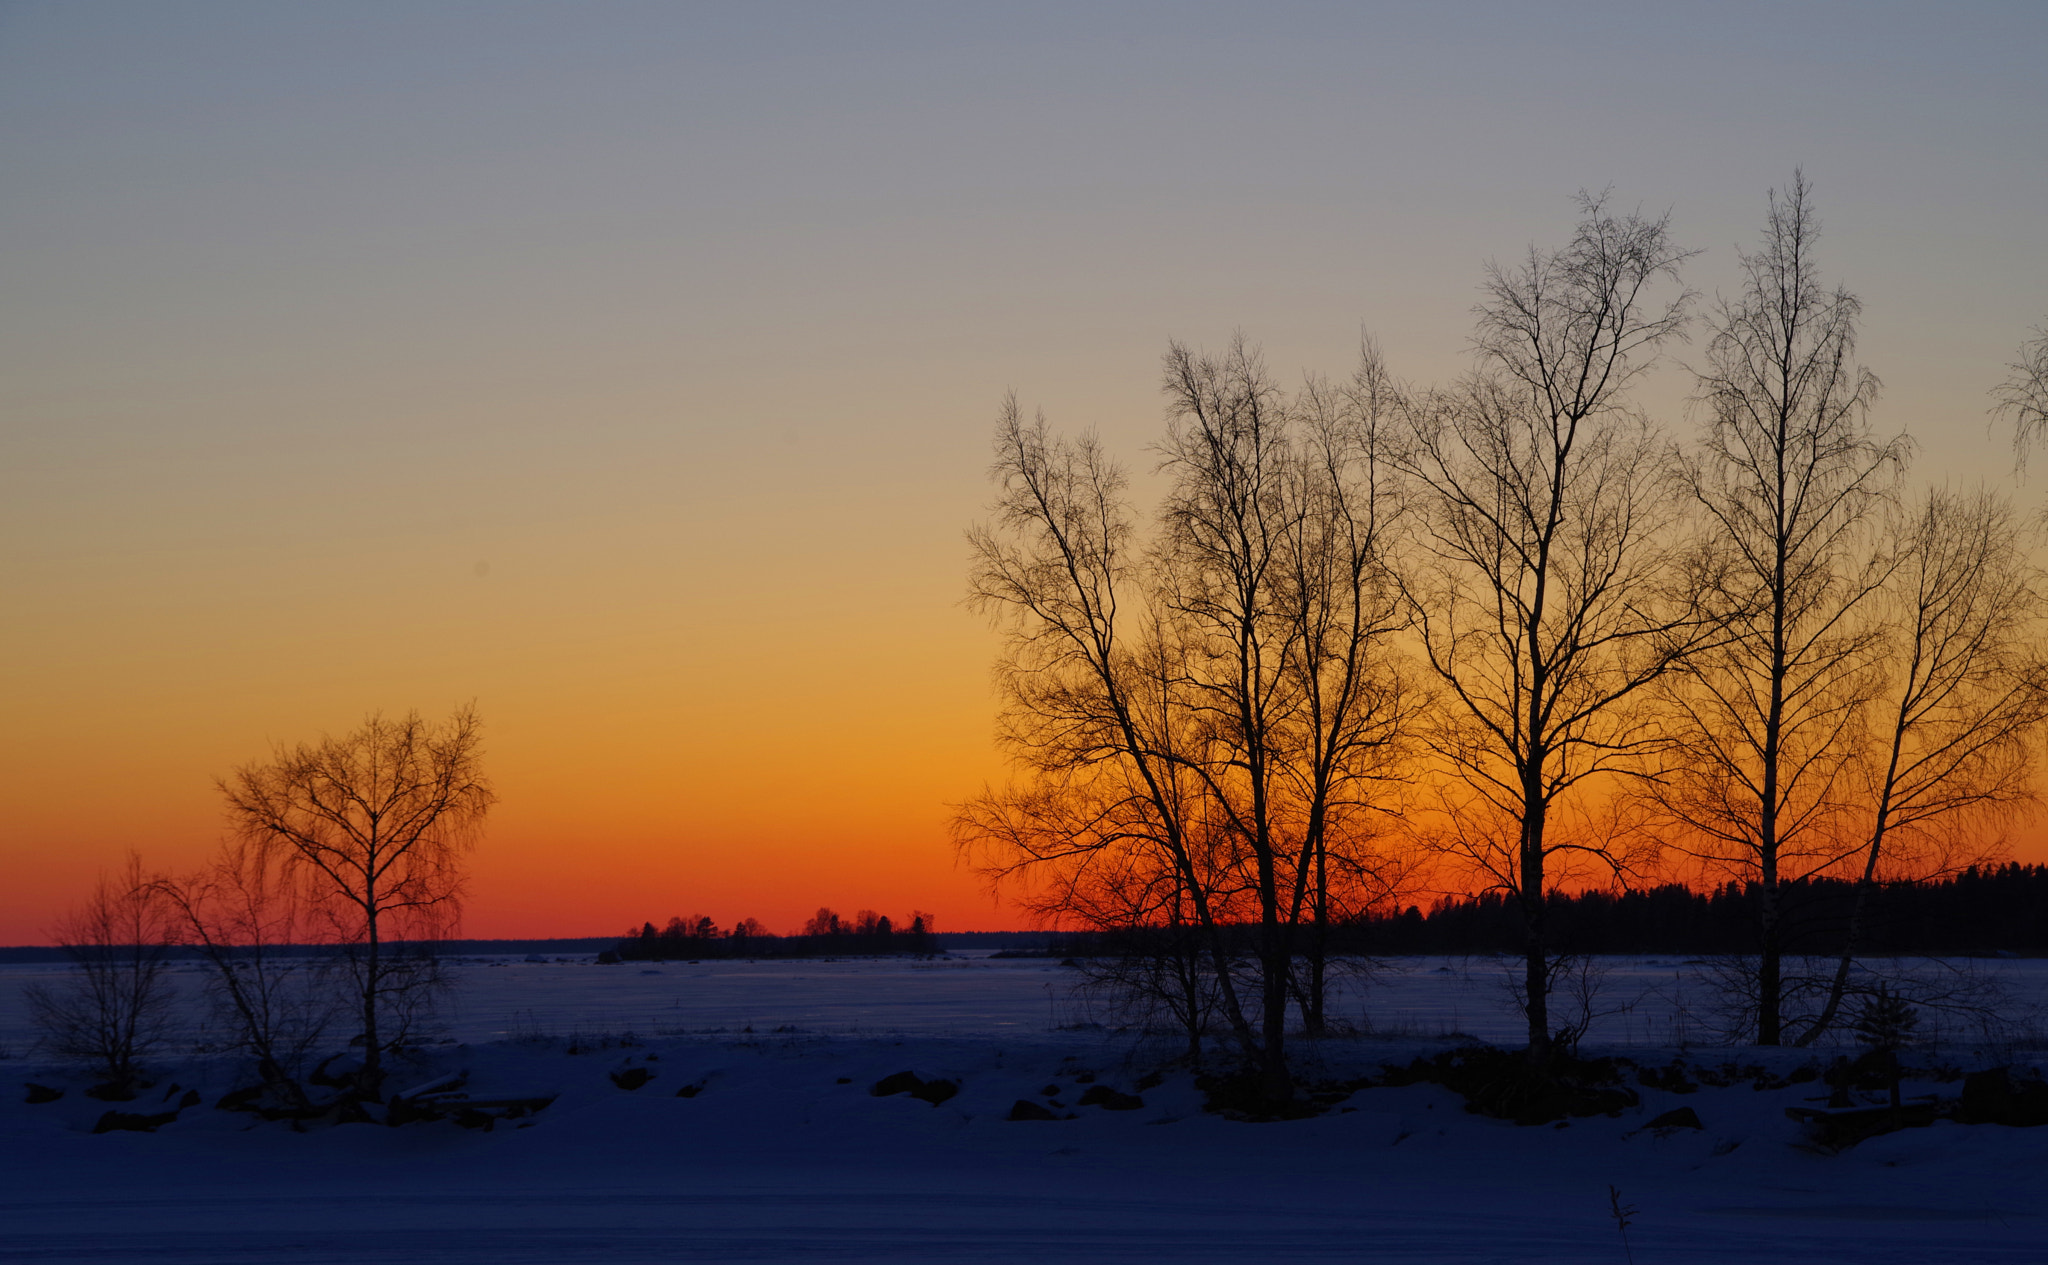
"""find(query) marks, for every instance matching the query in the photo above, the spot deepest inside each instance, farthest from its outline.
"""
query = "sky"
(629, 369)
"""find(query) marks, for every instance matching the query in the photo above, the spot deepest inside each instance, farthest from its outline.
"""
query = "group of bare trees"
(1510, 629)
(1209, 709)
(352, 845)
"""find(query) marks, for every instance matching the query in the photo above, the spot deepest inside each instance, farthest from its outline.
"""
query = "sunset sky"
(629, 368)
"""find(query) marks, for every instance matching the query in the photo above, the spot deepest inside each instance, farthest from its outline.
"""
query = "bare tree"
(1090, 706)
(1205, 722)
(115, 1010)
(1272, 573)
(377, 821)
(2022, 398)
(1965, 696)
(1349, 731)
(1788, 476)
(1542, 580)
(247, 915)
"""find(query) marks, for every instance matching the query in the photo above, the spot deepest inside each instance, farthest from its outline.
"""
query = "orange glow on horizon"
(633, 378)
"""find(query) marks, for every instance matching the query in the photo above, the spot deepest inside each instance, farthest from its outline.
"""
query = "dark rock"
(1025, 1109)
(1837, 1131)
(631, 1077)
(1050, 1091)
(338, 1071)
(933, 1091)
(936, 1091)
(1240, 1095)
(469, 1113)
(1672, 1079)
(691, 1091)
(1677, 1118)
(1869, 1071)
(112, 1091)
(191, 1099)
(1326, 1094)
(41, 1093)
(1996, 1096)
(1508, 1085)
(400, 1111)
(133, 1122)
(1110, 1100)
(281, 1100)
(346, 1109)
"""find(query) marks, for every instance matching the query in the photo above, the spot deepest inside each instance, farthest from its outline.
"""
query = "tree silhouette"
(378, 821)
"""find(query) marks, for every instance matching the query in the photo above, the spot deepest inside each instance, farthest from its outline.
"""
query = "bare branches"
(1788, 477)
(1541, 579)
(245, 914)
(1966, 695)
(1574, 326)
(1207, 718)
(2022, 398)
(1614, 649)
(380, 819)
(115, 1009)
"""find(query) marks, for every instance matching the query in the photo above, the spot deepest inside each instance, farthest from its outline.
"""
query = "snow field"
(785, 1155)
(1654, 1001)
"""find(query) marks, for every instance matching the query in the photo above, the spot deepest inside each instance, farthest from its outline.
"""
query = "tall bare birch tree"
(376, 822)
(1541, 578)
(1789, 477)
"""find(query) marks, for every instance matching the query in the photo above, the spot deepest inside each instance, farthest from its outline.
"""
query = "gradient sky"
(629, 368)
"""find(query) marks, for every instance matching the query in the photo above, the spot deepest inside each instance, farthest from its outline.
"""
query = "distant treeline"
(826, 934)
(1979, 911)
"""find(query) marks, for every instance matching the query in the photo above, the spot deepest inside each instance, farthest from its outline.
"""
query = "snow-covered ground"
(781, 1153)
(1640, 1001)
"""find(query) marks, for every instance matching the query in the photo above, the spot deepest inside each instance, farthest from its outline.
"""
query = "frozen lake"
(1639, 1001)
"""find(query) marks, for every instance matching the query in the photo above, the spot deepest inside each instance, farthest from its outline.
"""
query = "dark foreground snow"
(775, 1160)
(772, 1158)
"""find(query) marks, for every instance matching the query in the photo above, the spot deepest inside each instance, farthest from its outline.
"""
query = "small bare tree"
(115, 1010)
(246, 914)
(1543, 581)
(377, 822)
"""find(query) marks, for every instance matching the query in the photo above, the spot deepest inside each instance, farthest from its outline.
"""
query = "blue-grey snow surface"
(784, 1155)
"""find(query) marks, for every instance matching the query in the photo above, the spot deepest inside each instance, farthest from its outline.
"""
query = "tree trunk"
(1535, 949)
(1770, 983)
(373, 1063)
(1318, 949)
